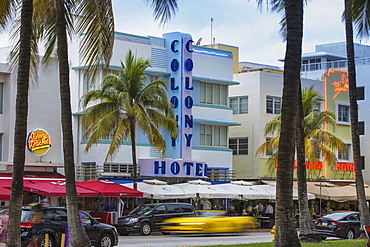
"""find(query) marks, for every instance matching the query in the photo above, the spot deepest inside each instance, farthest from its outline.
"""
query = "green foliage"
(318, 142)
(126, 100)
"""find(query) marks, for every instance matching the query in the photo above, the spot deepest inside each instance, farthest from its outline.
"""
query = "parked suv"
(55, 222)
(148, 217)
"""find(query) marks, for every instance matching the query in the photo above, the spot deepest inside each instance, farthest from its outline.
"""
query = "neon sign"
(341, 86)
(343, 166)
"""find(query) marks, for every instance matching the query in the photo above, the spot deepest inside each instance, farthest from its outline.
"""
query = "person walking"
(37, 220)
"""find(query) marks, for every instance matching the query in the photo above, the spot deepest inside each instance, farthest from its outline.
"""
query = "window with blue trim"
(213, 135)
(213, 93)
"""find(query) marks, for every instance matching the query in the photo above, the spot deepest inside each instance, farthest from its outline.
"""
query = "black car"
(55, 222)
(148, 217)
(345, 224)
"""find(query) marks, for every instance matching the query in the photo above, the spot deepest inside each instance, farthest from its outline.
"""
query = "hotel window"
(345, 154)
(1, 98)
(273, 105)
(361, 128)
(343, 113)
(360, 93)
(239, 105)
(213, 94)
(239, 146)
(90, 83)
(213, 135)
(154, 77)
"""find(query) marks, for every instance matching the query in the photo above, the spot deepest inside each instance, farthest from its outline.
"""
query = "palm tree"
(357, 9)
(284, 179)
(126, 103)
(316, 140)
(95, 19)
(7, 9)
(311, 141)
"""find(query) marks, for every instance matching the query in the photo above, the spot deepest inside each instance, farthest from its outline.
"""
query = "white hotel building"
(199, 82)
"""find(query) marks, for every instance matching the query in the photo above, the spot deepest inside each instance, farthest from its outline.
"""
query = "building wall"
(257, 86)
(210, 65)
(43, 113)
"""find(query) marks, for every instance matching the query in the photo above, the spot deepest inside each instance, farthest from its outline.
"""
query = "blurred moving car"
(209, 221)
(55, 222)
(148, 217)
(344, 224)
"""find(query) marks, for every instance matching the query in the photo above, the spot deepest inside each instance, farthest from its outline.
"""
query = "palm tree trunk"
(133, 153)
(20, 132)
(307, 229)
(77, 236)
(363, 208)
(285, 227)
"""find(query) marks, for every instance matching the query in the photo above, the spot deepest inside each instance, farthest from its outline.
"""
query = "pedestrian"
(37, 220)
(260, 207)
(269, 210)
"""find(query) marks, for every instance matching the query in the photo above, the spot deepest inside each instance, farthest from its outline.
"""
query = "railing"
(339, 64)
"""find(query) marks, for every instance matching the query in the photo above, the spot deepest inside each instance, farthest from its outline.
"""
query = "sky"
(237, 23)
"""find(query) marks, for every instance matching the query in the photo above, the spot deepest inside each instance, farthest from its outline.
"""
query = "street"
(159, 240)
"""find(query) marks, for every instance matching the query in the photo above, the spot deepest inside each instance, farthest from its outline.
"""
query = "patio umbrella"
(329, 191)
(55, 189)
(156, 189)
(244, 190)
(271, 188)
(203, 189)
(4, 194)
(110, 189)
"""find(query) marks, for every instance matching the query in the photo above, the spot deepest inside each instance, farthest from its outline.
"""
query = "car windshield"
(211, 213)
(142, 209)
(335, 216)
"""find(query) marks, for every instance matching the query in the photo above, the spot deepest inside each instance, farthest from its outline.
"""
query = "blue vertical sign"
(180, 64)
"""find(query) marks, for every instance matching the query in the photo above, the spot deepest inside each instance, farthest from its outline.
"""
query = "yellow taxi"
(209, 221)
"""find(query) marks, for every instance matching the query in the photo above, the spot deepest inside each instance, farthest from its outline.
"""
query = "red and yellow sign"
(38, 142)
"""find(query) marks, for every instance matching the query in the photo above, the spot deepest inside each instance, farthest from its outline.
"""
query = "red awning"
(7, 181)
(110, 189)
(55, 189)
(4, 194)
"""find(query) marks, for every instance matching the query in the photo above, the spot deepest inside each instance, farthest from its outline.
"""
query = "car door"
(59, 221)
(354, 223)
(159, 214)
(90, 225)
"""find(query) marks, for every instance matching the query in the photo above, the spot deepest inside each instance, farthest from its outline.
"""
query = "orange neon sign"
(343, 166)
(318, 165)
(341, 86)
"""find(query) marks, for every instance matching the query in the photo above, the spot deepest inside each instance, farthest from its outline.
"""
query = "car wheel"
(105, 241)
(123, 233)
(42, 241)
(350, 234)
(145, 229)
